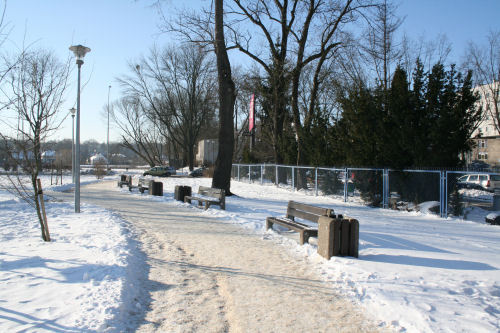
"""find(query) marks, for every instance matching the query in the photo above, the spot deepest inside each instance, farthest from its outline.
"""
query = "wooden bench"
(208, 196)
(303, 211)
(142, 184)
(125, 180)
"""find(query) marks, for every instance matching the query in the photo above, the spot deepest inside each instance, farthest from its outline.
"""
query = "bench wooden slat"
(304, 230)
(291, 223)
(302, 211)
(310, 208)
(302, 215)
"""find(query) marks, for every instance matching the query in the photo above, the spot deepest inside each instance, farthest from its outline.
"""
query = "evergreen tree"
(362, 126)
(427, 126)
(453, 116)
(398, 143)
(419, 118)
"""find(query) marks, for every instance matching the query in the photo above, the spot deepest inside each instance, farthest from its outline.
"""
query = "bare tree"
(380, 47)
(297, 34)
(138, 132)
(227, 96)
(206, 28)
(34, 93)
(176, 87)
(485, 60)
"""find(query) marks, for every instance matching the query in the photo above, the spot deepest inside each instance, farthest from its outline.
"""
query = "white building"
(98, 158)
(207, 151)
(487, 126)
(486, 136)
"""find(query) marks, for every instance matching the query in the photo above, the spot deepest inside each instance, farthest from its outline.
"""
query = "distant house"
(486, 136)
(118, 159)
(207, 151)
(98, 158)
(48, 157)
(20, 156)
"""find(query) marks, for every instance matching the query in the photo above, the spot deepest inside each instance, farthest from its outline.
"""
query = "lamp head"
(73, 111)
(79, 51)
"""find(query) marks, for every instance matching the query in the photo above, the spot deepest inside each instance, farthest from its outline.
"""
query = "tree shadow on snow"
(379, 240)
(29, 322)
(428, 262)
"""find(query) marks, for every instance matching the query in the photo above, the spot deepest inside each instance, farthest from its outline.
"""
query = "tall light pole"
(107, 167)
(79, 51)
(73, 111)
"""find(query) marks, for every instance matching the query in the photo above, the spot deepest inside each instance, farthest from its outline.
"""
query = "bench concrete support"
(338, 236)
(328, 237)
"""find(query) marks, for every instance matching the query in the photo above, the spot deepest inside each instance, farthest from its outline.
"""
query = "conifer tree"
(398, 141)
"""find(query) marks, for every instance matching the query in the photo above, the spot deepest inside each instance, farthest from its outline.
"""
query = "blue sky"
(119, 31)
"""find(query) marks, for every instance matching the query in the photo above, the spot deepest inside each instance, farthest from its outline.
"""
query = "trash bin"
(496, 200)
(156, 188)
(181, 192)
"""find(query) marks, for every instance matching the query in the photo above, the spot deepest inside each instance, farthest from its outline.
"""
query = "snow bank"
(79, 281)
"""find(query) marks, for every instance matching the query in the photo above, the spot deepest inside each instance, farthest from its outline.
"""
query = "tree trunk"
(191, 157)
(227, 97)
(34, 176)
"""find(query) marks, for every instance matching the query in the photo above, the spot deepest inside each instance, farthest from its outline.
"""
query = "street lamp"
(107, 167)
(79, 51)
(73, 111)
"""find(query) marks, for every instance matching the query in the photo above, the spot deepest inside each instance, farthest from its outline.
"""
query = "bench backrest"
(307, 212)
(144, 181)
(212, 192)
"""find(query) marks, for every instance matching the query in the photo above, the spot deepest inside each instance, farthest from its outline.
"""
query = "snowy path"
(206, 274)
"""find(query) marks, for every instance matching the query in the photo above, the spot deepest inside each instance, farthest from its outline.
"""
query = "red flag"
(251, 114)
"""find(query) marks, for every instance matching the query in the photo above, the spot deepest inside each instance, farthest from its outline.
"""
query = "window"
(473, 178)
(483, 143)
(482, 156)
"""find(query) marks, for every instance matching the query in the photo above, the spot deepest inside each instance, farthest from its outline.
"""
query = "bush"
(99, 170)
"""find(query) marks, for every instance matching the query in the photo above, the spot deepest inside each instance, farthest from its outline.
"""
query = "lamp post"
(79, 51)
(107, 156)
(73, 111)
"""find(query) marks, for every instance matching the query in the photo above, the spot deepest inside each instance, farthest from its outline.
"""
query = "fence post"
(316, 181)
(249, 174)
(293, 178)
(261, 175)
(446, 195)
(238, 172)
(385, 188)
(443, 193)
(345, 184)
(276, 179)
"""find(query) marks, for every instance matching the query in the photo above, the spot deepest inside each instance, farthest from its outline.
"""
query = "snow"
(416, 272)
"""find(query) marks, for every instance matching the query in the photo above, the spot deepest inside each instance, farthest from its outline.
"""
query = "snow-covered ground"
(416, 272)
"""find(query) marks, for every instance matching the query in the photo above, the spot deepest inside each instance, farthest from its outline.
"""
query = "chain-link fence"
(410, 188)
(444, 192)
(467, 189)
